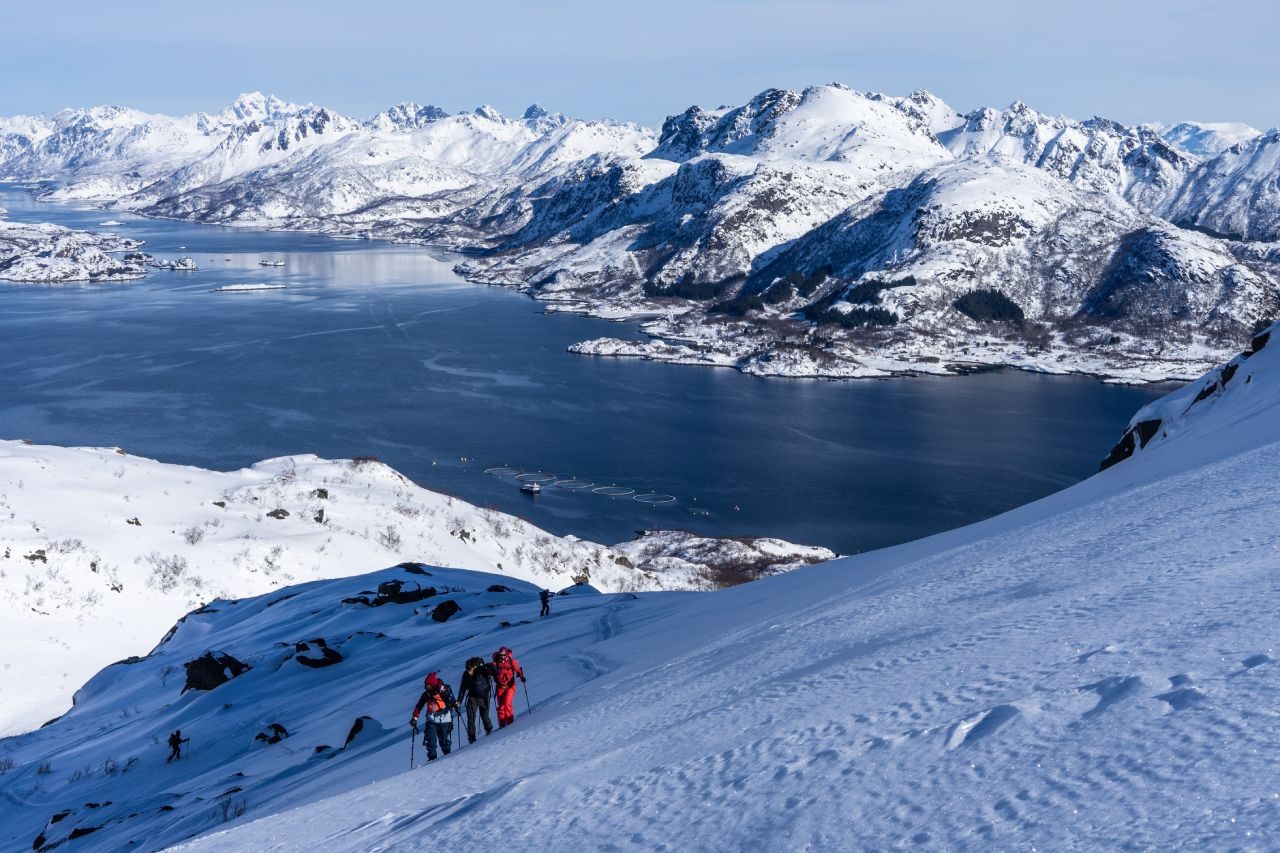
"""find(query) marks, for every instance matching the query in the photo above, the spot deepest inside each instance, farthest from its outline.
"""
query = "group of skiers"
(480, 681)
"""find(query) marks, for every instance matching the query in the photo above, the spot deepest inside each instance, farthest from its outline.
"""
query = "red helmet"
(432, 680)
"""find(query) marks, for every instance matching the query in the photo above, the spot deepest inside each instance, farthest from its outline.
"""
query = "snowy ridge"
(1094, 669)
(100, 551)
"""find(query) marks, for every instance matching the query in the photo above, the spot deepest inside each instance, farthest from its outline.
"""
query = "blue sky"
(1131, 60)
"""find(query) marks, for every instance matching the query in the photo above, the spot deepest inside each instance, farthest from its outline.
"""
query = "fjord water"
(379, 349)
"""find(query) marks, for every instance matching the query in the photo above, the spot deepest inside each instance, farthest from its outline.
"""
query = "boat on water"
(271, 263)
(247, 288)
(530, 488)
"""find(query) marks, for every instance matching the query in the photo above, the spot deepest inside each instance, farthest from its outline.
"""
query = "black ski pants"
(477, 704)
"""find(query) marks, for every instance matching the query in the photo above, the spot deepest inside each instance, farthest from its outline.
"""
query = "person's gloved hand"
(414, 722)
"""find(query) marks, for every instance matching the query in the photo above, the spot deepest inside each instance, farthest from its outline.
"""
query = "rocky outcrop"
(211, 670)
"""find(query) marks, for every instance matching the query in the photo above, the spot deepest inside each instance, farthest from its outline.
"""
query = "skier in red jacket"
(509, 670)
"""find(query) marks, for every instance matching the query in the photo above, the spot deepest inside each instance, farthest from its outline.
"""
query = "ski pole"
(413, 743)
(527, 703)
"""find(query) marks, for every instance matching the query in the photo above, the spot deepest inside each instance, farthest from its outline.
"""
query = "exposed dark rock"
(211, 670)
(444, 610)
(322, 494)
(273, 733)
(356, 728)
(414, 568)
(1259, 342)
(220, 504)
(497, 587)
(1205, 393)
(134, 521)
(1228, 372)
(393, 592)
(328, 656)
(1143, 432)
(278, 514)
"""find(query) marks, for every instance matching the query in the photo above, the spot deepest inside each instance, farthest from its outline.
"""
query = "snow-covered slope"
(1096, 669)
(1207, 139)
(1235, 194)
(100, 551)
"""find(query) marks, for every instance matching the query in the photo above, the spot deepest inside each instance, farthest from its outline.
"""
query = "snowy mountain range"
(1093, 670)
(824, 232)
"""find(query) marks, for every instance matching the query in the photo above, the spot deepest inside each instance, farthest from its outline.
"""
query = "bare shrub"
(6, 764)
(389, 538)
(229, 809)
(109, 767)
(193, 535)
(166, 572)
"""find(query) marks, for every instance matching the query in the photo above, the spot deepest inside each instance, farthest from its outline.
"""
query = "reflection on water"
(377, 349)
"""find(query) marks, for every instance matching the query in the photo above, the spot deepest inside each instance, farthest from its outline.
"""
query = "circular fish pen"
(655, 499)
(614, 491)
(501, 471)
(536, 477)
(574, 485)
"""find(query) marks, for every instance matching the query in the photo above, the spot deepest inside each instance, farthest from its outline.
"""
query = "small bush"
(229, 809)
(389, 538)
(45, 769)
(6, 764)
(988, 305)
(165, 571)
(193, 535)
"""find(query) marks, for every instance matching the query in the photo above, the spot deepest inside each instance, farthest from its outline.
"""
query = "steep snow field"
(101, 551)
(1096, 669)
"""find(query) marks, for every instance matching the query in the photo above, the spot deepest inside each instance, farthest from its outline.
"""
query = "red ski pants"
(506, 706)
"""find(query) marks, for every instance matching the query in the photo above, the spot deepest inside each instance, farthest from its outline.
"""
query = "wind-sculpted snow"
(1093, 670)
(100, 551)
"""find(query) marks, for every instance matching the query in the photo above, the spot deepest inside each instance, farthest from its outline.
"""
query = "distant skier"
(176, 740)
(508, 670)
(545, 595)
(440, 705)
(475, 690)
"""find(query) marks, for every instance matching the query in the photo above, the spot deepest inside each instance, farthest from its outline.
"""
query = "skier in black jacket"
(545, 595)
(475, 690)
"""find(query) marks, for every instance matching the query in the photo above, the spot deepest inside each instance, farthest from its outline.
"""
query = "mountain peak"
(486, 111)
(535, 111)
(255, 106)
